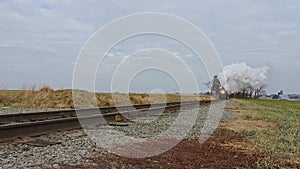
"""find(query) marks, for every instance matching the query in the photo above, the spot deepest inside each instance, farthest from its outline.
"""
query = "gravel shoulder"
(74, 149)
(217, 152)
(187, 154)
(10, 110)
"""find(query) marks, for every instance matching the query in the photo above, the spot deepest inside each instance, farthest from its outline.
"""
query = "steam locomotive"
(223, 94)
(220, 94)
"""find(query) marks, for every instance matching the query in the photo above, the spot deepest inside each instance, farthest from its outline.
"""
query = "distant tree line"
(249, 92)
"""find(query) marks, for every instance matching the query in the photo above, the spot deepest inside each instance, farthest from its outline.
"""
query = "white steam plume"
(240, 76)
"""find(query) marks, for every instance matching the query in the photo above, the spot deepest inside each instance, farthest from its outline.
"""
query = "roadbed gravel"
(72, 149)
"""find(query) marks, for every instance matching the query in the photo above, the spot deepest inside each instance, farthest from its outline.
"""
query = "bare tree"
(260, 91)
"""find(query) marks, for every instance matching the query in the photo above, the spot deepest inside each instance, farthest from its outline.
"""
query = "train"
(223, 94)
(220, 94)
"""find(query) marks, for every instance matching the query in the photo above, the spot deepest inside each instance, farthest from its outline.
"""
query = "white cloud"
(288, 32)
(189, 55)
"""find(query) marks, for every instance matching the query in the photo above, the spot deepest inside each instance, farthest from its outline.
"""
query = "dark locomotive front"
(223, 95)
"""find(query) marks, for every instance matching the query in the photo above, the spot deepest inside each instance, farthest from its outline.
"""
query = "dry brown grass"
(46, 97)
(240, 124)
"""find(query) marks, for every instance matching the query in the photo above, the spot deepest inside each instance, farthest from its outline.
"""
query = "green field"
(277, 136)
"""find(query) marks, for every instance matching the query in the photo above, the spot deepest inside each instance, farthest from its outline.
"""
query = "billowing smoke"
(240, 76)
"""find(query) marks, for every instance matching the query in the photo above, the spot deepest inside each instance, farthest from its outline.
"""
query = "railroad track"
(31, 124)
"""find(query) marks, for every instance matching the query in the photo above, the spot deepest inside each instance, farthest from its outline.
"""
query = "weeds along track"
(32, 124)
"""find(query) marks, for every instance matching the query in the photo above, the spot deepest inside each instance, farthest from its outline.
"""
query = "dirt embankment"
(214, 153)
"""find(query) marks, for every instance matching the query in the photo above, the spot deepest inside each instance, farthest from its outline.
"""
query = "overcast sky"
(41, 39)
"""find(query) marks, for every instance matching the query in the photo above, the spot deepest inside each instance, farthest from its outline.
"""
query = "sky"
(41, 40)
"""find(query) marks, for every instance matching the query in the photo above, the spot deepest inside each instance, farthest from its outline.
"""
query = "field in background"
(46, 97)
(271, 128)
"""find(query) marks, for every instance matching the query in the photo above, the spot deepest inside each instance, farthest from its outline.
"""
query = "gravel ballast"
(11, 110)
(76, 148)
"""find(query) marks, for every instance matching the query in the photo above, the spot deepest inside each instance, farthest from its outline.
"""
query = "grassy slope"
(273, 130)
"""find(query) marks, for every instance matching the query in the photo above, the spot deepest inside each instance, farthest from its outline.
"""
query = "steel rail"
(17, 130)
(47, 115)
